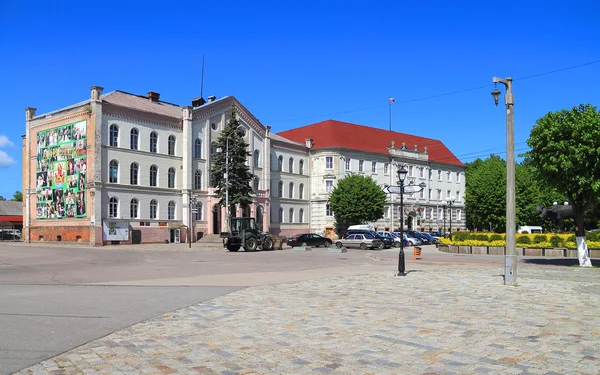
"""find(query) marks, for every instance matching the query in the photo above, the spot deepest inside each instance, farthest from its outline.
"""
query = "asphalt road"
(55, 298)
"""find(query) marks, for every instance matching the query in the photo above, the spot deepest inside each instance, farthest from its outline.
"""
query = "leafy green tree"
(2, 198)
(485, 195)
(18, 196)
(357, 199)
(240, 177)
(565, 149)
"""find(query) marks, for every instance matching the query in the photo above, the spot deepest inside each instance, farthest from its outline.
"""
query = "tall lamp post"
(510, 259)
(402, 172)
(227, 211)
(450, 203)
(444, 216)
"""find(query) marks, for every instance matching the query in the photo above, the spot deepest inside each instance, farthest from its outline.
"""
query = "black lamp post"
(402, 172)
(444, 216)
(450, 204)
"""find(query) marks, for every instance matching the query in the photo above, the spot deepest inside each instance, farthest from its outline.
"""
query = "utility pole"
(510, 258)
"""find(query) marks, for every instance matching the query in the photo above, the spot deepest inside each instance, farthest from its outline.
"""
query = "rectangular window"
(458, 215)
(386, 168)
(439, 175)
(328, 186)
(448, 177)
(329, 162)
(430, 174)
(411, 171)
(458, 195)
(348, 164)
(422, 172)
(387, 212)
(448, 194)
(361, 165)
(457, 177)
(328, 211)
(429, 195)
(422, 194)
(374, 167)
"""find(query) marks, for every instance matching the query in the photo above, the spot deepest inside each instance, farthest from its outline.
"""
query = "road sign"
(437, 222)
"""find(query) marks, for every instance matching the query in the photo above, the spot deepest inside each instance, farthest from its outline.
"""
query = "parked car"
(363, 241)
(410, 240)
(424, 240)
(308, 239)
(393, 236)
(387, 242)
(431, 238)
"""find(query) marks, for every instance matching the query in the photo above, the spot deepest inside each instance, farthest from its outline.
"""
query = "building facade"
(128, 168)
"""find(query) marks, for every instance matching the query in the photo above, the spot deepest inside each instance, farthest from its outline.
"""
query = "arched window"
(113, 207)
(291, 191)
(280, 189)
(171, 145)
(133, 209)
(301, 191)
(255, 183)
(153, 175)
(301, 215)
(198, 148)
(153, 209)
(291, 217)
(133, 139)
(171, 211)
(113, 139)
(199, 212)
(133, 174)
(198, 180)
(291, 165)
(153, 142)
(280, 215)
(171, 177)
(301, 167)
(256, 158)
(113, 171)
(280, 163)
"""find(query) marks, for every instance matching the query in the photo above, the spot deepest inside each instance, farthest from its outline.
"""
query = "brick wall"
(51, 233)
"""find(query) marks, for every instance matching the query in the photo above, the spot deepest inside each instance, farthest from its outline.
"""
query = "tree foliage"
(565, 150)
(18, 196)
(240, 177)
(357, 199)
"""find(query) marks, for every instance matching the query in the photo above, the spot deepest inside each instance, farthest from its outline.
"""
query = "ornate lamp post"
(402, 172)
(444, 216)
(450, 202)
(510, 259)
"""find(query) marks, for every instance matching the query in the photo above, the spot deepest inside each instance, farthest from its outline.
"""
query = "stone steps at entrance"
(211, 238)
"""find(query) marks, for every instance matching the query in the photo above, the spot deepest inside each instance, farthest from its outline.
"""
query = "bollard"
(416, 252)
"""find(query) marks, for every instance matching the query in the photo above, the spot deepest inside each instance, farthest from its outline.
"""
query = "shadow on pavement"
(559, 262)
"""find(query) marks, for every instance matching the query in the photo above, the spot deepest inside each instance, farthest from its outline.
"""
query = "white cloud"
(4, 141)
(5, 160)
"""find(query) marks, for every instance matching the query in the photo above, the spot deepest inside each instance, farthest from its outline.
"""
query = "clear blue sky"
(294, 63)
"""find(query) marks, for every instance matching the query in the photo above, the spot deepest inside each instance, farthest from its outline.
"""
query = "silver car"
(364, 241)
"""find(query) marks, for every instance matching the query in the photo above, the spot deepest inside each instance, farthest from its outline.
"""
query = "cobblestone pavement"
(436, 321)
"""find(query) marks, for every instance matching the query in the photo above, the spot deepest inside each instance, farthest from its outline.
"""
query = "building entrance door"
(216, 218)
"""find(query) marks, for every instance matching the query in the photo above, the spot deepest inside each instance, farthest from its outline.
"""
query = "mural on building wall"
(61, 172)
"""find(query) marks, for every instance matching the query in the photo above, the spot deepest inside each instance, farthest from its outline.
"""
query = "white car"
(395, 237)
(412, 241)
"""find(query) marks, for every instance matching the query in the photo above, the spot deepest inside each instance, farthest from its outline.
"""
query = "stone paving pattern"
(452, 321)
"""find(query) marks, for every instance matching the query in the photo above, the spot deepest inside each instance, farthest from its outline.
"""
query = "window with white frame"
(458, 195)
(291, 190)
(256, 158)
(328, 162)
(171, 178)
(458, 214)
(422, 172)
(280, 215)
(411, 171)
(134, 209)
(387, 212)
(439, 194)
(301, 191)
(448, 176)
(374, 167)
(291, 165)
(328, 211)
(457, 177)
(198, 180)
(291, 216)
(199, 211)
(153, 209)
(431, 212)
(440, 213)
(133, 173)
(113, 207)
(154, 142)
(301, 166)
(386, 168)
(448, 194)
(280, 189)
(280, 163)
(422, 194)
(255, 183)
(429, 194)
(328, 186)
(133, 139)
(430, 174)
(153, 175)
(439, 175)
(198, 148)
(113, 171)
(301, 215)
(361, 165)
(113, 139)
(171, 145)
(348, 162)
(171, 211)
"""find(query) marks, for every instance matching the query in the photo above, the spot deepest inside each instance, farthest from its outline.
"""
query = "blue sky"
(295, 63)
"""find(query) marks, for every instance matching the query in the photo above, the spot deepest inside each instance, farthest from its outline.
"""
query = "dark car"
(308, 239)
(431, 238)
(425, 240)
(387, 242)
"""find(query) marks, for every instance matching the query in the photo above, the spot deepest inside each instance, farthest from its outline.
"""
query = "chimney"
(198, 102)
(153, 96)
(96, 93)
(309, 142)
(212, 99)
(29, 113)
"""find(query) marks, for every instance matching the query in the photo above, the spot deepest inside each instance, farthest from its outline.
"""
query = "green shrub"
(524, 240)
(496, 237)
(571, 238)
(556, 241)
(461, 236)
(592, 236)
(481, 237)
(539, 238)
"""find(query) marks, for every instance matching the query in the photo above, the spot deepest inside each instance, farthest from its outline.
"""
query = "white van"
(530, 229)
(362, 227)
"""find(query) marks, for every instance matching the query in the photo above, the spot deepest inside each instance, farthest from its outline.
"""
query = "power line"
(439, 95)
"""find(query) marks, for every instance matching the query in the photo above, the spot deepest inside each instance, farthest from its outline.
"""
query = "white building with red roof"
(129, 168)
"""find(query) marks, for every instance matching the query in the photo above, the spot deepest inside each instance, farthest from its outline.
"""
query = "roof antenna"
(200, 101)
(202, 81)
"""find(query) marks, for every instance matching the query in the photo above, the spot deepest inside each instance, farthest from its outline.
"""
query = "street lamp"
(444, 216)
(402, 172)
(450, 202)
(227, 175)
(510, 258)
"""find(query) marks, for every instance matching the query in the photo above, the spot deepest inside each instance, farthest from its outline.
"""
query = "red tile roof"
(338, 134)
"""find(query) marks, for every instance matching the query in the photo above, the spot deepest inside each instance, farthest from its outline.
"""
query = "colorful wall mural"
(61, 172)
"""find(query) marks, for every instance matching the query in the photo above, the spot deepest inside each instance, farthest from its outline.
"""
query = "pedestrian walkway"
(433, 321)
